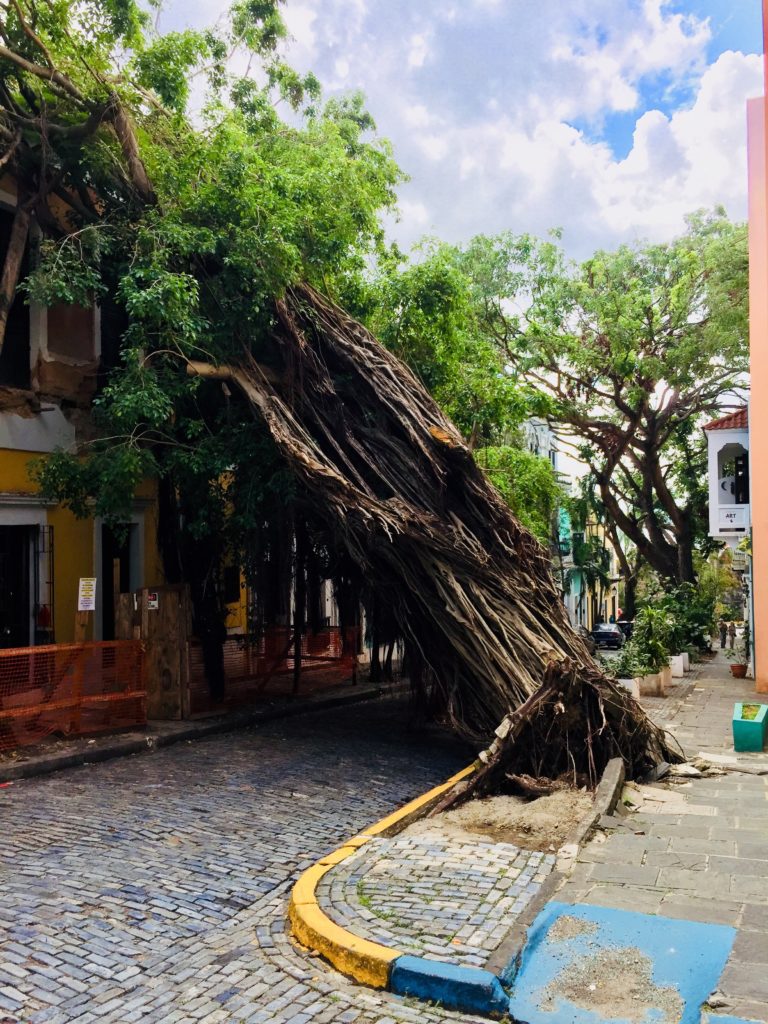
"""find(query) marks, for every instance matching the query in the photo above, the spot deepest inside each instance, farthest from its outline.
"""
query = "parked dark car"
(608, 634)
(587, 637)
(626, 626)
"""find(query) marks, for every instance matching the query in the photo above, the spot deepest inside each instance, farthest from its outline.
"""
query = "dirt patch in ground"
(568, 927)
(542, 824)
(614, 984)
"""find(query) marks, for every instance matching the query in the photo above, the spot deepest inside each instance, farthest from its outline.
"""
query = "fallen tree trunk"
(470, 589)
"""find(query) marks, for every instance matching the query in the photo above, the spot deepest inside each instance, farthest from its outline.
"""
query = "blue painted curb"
(469, 989)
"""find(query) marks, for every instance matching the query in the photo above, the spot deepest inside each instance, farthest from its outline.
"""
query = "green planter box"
(749, 734)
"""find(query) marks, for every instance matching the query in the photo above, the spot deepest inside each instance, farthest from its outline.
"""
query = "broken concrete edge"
(505, 960)
(453, 986)
(125, 746)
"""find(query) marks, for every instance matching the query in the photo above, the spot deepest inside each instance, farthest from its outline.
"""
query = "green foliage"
(69, 268)
(591, 564)
(744, 646)
(527, 483)
(103, 484)
(165, 65)
(690, 612)
(626, 665)
(651, 639)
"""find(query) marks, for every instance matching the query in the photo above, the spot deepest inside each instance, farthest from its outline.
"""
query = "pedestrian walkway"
(698, 851)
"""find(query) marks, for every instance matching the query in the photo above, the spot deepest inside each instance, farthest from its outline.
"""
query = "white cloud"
(480, 100)
(300, 21)
(418, 50)
(414, 214)
(434, 147)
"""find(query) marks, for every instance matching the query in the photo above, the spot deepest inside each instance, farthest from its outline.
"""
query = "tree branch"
(49, 74)
(12, 265)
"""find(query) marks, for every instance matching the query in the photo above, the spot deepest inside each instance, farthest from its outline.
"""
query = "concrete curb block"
(506, 958)
(469, 989)
(44, 764)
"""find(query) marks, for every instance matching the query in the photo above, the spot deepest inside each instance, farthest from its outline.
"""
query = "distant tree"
(529, 485)
(631, 348)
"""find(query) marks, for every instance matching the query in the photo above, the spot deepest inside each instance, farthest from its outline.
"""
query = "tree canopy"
(189, 227)
(627, 351)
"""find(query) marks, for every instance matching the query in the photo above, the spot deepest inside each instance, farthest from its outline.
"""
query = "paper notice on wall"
(86, 594)
(153, 600)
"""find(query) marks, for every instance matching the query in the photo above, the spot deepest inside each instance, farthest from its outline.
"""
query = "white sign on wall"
(86, 594)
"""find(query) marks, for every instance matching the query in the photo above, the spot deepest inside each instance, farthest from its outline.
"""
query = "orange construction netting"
(254, 664)
(70, 690)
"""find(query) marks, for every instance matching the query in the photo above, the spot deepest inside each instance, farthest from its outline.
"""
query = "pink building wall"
(757, 123)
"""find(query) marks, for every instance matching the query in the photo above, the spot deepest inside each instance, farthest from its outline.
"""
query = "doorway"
(16, 603)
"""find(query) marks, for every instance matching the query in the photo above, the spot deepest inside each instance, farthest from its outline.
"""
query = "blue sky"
(608, 118)
(734, 25)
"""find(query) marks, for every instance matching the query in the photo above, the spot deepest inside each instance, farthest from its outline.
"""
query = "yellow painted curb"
(398, 820)
(366, 962)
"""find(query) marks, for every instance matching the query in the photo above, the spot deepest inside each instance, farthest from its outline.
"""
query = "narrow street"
(154, 888)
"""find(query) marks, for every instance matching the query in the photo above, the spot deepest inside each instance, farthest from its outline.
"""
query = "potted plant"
(740, 656)
(627, 669)
(750, 721)
(650, 640)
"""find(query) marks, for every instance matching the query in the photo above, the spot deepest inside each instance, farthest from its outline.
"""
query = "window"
(71, 333)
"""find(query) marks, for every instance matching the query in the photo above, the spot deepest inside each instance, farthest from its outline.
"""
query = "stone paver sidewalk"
(697, 851)
(434, 895)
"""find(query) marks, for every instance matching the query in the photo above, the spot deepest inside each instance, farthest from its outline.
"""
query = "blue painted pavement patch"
(595, 965)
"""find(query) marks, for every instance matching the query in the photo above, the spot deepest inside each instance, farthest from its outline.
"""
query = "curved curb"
(455, 987)
(366, 962)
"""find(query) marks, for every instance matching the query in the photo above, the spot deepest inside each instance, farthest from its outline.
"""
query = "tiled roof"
(733, 421)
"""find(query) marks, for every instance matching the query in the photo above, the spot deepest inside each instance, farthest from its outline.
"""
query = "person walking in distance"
(732, 635)
(723, 629)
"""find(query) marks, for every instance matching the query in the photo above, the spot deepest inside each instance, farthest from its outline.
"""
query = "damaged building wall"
(49, 373)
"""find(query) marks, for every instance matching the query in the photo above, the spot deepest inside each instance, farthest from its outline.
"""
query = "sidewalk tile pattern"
(706, 859)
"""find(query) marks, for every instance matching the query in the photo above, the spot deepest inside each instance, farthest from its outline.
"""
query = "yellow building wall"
(73, 541)
(72, 558)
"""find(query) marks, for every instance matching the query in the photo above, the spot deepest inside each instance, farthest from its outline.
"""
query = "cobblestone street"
(154, 888)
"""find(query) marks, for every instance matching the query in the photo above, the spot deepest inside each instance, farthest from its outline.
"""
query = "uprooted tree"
(254, 399)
